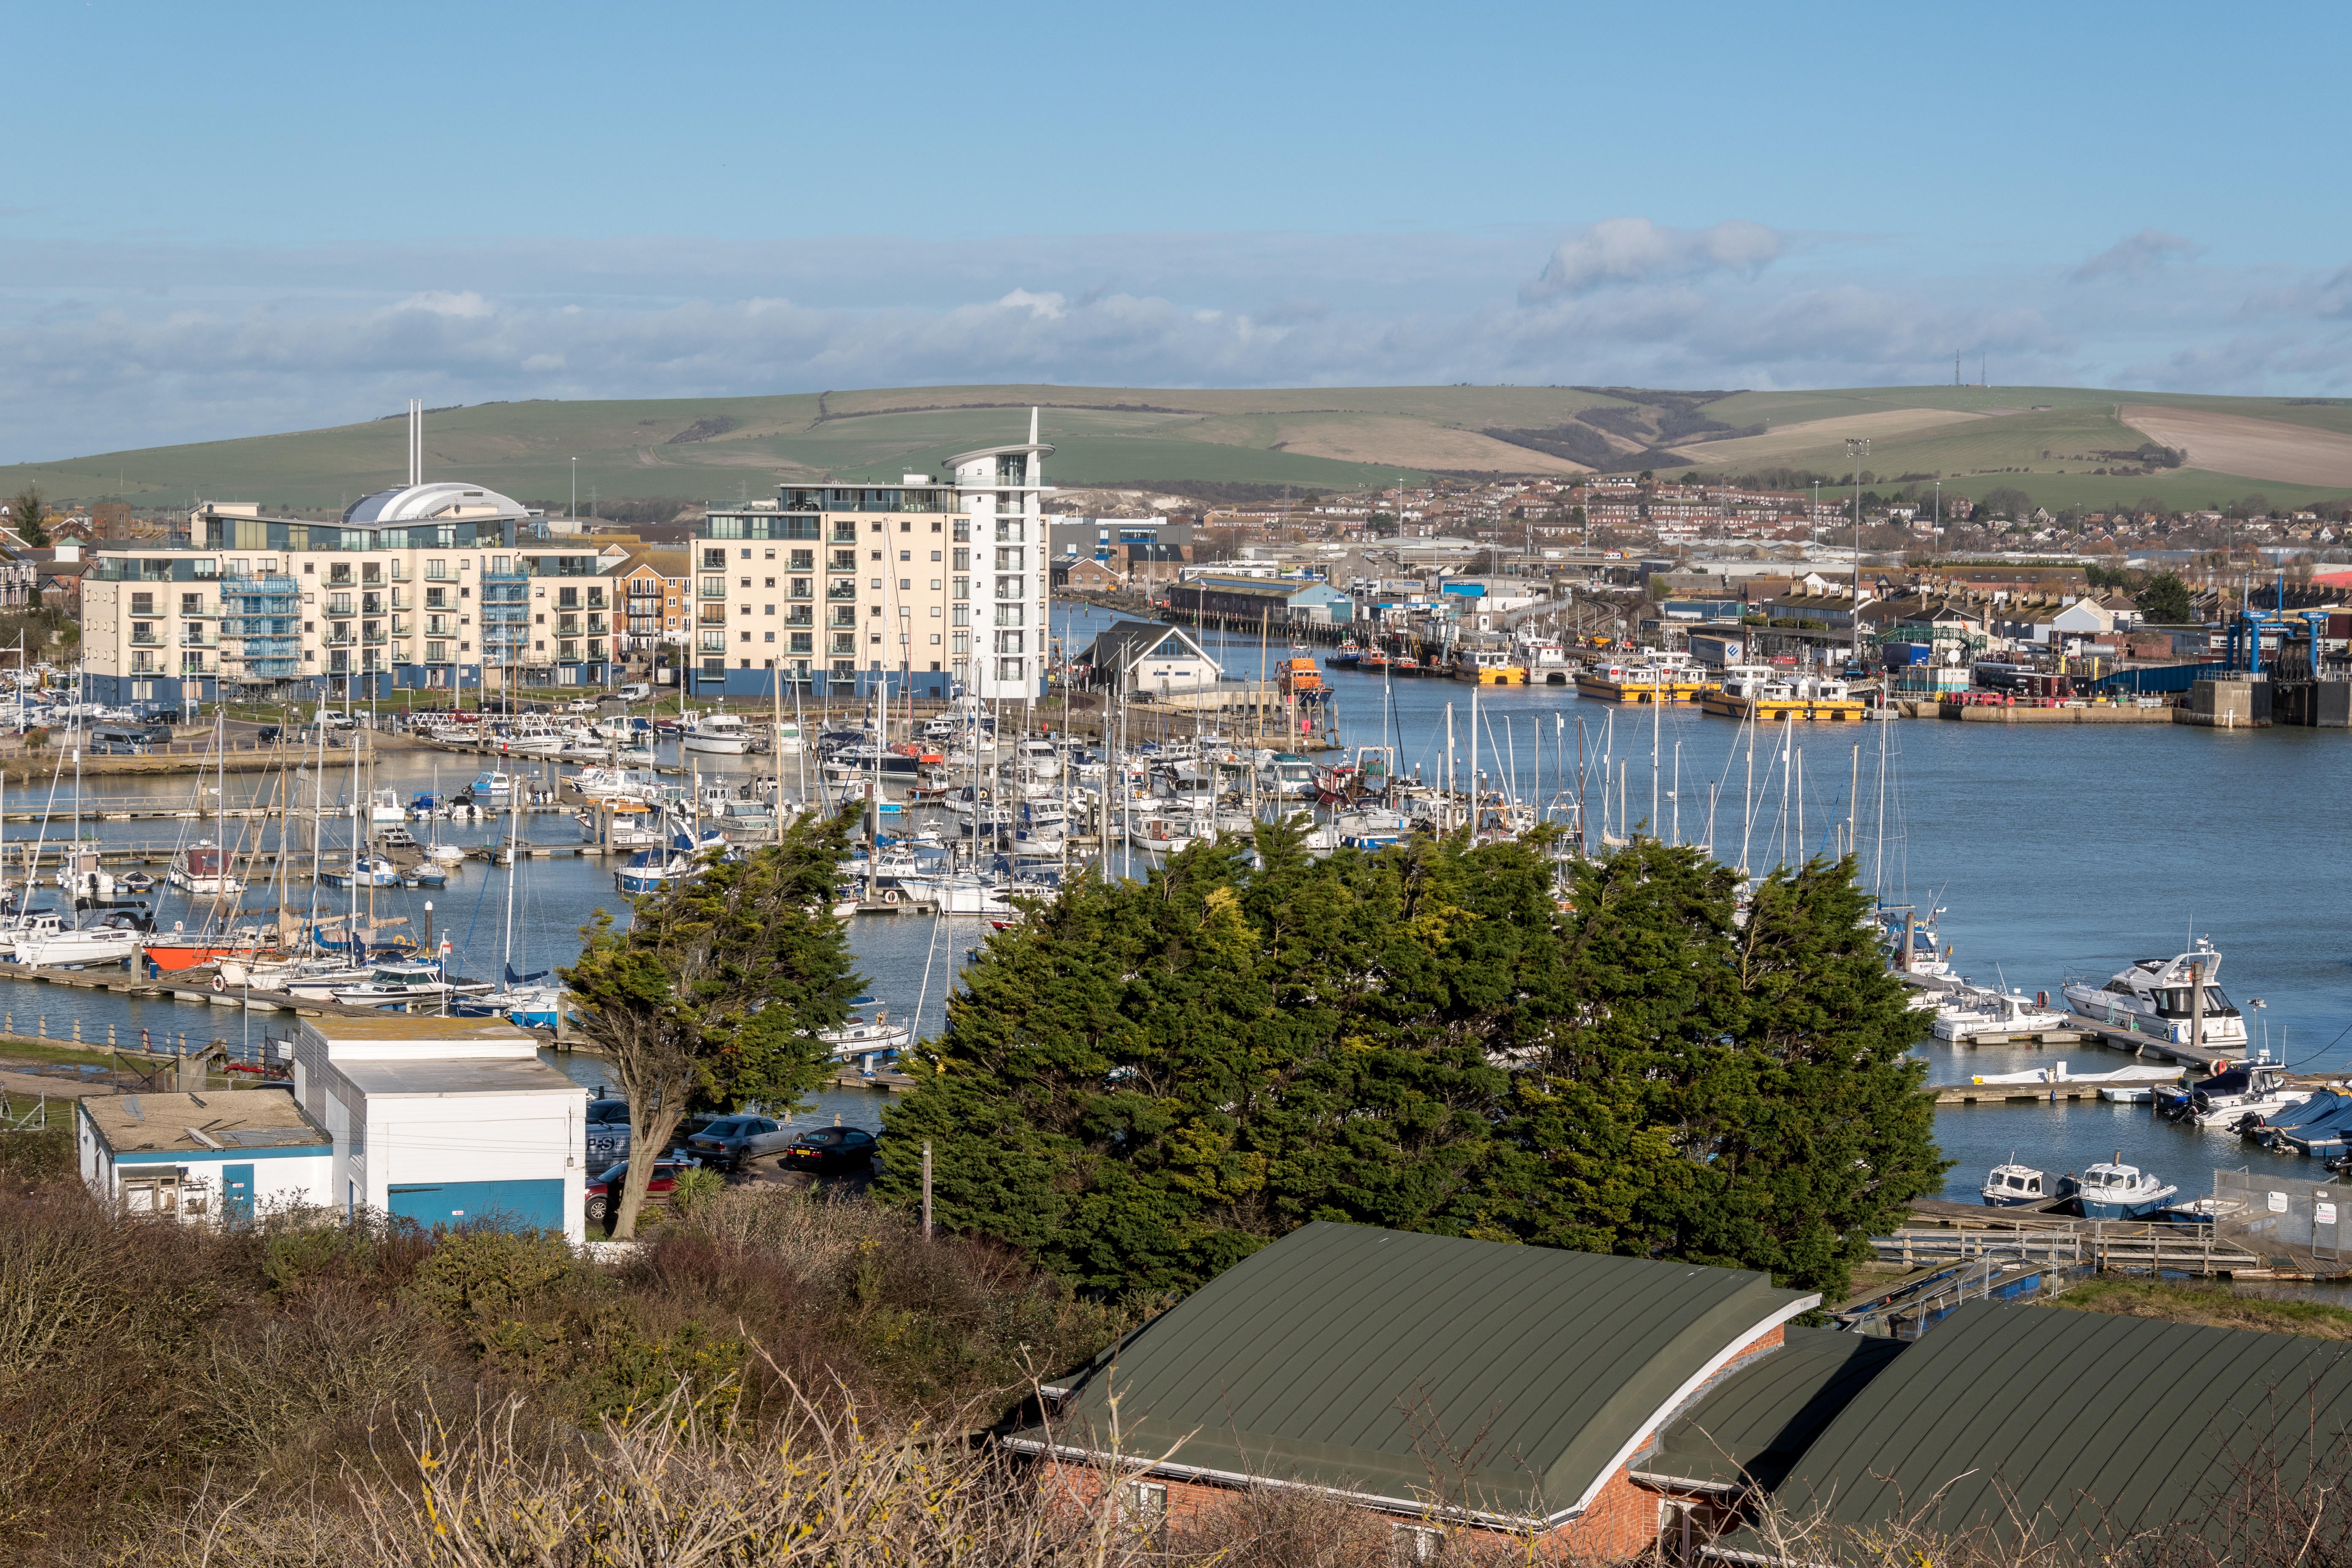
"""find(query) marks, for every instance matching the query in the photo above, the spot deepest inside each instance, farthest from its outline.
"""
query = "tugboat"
(2153, 998)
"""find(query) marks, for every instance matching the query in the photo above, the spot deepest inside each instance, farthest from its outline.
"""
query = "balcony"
(711, 615)
(844, 642)
(145, 640)
(800, 615)
(595, 625)
(847, 588)
(199, 639)
(844, 534)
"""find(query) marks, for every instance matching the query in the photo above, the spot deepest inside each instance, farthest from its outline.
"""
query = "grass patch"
(2209, 1306)
(16, 1054)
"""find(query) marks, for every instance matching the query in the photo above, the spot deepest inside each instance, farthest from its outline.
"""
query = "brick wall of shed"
(1622, 1521)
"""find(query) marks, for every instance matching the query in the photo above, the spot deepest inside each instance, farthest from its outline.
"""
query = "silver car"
(732, 1140)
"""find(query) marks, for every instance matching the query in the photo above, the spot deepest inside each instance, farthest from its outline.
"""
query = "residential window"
(713, 559)
(1144, 1504)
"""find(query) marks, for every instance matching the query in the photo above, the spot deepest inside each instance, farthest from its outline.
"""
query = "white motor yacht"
(2153, 998)
(203, 870)
(1996, 1013)
(400, 984)
(94, 944)
(723, 734)
(862, 1037)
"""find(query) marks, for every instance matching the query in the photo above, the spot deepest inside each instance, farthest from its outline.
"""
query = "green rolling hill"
(2050, 442)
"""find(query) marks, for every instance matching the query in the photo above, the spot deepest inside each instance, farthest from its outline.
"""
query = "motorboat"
(67, 947)
(2320, 1125)
(863, 1038)
(491, 785)
(321, 983)
(960, 893)
(2112, 1190)
(406, 984)
(136, 882)
(654, 871)
(2235, 1096)
(1287, 775)
(2012, 1186)
(203, 870)
(1926, 957)
(530, 737)
(1996, 1013)
(2153, 996)
(723, 734)
(365, 871)
(384, 805)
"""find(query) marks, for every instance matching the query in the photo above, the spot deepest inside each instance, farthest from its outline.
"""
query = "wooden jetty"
(1943, 1231)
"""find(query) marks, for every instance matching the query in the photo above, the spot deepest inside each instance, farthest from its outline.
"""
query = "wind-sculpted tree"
(713, 995)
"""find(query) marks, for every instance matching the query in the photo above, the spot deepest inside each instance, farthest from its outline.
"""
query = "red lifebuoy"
(220, 982)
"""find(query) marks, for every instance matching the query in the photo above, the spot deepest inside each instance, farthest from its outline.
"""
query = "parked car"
(604, 1192)
(731, 1140)
(833, 1148)
(266, 736)
(635, 691)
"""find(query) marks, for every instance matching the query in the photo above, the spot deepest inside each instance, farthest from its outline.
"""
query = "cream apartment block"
(437, 586)
(934, 586)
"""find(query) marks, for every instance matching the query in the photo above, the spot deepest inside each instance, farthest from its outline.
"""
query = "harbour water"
(2050, 851)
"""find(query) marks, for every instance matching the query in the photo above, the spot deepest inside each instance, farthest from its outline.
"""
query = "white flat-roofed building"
(445, 1121)
(930, 585)
(215, 1155)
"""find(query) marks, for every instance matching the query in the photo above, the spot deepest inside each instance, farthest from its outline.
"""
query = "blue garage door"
(525, 1206)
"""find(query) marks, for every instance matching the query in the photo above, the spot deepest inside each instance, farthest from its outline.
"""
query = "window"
(1144, 1504)
(713, 558)
(1008, 642)
(935, 555)
(437, 598)
(963, 560)
(1008, 669)
(904, 584)
(1411, 1543)
(906, 555)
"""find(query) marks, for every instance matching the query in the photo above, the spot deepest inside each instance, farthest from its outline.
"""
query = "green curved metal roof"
(2095, 1425)
(1750, 1427)
(1487, 1377)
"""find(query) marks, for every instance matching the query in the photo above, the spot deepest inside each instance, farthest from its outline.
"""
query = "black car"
(833, 1148)
(267, 735)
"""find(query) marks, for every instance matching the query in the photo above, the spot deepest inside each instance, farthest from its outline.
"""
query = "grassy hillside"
(2043, 441)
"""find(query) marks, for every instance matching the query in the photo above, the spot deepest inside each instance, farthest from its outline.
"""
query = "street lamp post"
(1857, 448)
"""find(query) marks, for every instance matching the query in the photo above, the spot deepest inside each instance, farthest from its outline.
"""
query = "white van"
(635, 691)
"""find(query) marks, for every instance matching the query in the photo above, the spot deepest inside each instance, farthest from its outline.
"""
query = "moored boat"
(2112, 1190)
(2154, 996)
(2012, 1186)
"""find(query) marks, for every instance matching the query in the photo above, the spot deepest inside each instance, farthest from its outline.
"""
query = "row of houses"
(1597, 1407)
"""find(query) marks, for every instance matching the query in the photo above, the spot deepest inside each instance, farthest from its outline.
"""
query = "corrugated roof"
(232, 1119)
(2090, 1423)
(1750, 1427)
(1509, 1379)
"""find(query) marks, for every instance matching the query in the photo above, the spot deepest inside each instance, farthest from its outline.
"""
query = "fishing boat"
(2154, 997)
(2112, 1190)
(722, 734)
(202, 869)
(2012, 1186)
(1346, 655)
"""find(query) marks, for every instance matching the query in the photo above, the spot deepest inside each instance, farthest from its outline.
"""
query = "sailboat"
(531, 1000)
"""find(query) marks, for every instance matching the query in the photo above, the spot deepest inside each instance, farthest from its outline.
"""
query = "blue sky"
(228, 219)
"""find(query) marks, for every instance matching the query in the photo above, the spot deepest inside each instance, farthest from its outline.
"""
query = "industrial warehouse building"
(444, 1120)
(1276, 601)
(1596, 1406)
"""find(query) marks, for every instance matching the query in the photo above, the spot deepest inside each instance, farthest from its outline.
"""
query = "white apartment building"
(933, 585)
(438, 586)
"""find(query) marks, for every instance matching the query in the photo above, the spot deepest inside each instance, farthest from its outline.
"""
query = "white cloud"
(102, 358)
(1629, 250)
(2134, 255)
